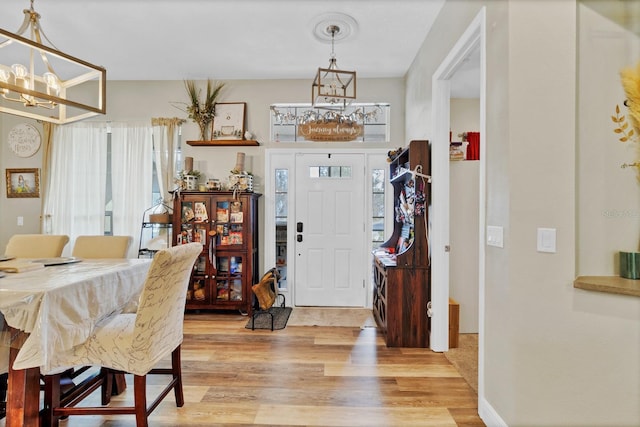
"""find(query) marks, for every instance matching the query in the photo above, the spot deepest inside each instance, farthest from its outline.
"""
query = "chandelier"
(333, 88)
(42, 83)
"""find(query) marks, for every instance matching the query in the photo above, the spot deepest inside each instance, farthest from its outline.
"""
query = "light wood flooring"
(304, 376)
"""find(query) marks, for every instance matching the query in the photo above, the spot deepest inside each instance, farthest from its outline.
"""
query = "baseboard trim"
(489, 415)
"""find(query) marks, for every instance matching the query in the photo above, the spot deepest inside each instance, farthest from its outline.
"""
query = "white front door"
(330, 230)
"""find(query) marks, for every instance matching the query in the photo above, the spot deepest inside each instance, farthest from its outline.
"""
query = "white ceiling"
(237, 39)
(229, 39)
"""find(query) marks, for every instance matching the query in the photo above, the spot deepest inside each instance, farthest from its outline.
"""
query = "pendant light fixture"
(42, 83)
(333, 88)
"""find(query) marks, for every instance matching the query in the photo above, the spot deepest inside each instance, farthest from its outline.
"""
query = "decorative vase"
(204, 131)
(630, 265)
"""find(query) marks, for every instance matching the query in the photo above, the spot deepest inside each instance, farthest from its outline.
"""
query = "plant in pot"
(630, 78)
(202, 111)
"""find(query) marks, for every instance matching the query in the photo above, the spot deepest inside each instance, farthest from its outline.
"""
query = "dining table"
(50, 309)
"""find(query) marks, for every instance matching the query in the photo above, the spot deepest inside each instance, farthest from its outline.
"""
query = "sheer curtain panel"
(165, 145)
(131, 178)
(75, 194)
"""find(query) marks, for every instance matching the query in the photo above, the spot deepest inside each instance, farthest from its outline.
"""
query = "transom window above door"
(360, 122)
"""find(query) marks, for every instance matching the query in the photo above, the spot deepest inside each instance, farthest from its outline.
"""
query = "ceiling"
(625, 13)
(229, 39)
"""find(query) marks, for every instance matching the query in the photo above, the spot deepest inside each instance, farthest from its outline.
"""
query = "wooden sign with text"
(330, 131)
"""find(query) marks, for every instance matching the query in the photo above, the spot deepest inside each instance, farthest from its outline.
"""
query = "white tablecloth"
(59, 306)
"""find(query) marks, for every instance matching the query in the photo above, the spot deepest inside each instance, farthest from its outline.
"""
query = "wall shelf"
(223, 142)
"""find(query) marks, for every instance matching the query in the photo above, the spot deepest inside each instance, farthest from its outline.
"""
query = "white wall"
(554, 355)
(142, 100)
(12, 208)
(463, 217)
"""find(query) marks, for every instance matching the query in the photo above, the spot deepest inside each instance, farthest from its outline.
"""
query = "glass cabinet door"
(194, 221)
(229, 223)
(229, 278)
(195, 227)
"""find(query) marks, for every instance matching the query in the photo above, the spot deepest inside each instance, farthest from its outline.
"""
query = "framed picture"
(23, 183)
(228, 122)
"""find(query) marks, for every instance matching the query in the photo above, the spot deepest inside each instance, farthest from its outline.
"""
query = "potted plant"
(202, 111)
(629, 133)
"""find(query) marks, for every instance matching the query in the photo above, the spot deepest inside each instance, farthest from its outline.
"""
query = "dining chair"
(101, 246)
(4, 369)
(134, 343)
(27, 246)
(36, 245)
(97, 247)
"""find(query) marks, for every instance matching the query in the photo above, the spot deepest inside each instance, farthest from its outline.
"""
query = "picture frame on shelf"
(23, 182)
(228, 123)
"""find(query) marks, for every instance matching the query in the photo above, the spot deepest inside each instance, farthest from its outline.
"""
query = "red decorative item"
(473, 149)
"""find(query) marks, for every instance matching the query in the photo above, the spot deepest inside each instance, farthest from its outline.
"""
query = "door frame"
(375, 158)
(473, 37)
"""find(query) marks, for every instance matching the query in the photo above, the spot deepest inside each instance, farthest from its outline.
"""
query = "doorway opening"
(312, 195)
(472, 44)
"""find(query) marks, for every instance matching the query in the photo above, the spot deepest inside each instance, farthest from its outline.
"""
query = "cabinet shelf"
(402, 176)
(154, 231)
(224, 143)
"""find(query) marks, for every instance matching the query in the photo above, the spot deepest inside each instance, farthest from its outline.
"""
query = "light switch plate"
(495, 236)
(547, 240)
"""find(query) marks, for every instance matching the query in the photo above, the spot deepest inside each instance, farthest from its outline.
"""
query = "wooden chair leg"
(107, 385)
(51, 400)
(119, 383)
(176, 368)
(140, 397)
(4, 379)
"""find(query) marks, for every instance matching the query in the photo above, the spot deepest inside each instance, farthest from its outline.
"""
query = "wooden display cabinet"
(401, 265)
(227, 226)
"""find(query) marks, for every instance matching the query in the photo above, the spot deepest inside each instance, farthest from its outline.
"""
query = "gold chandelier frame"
(47, 96)
(332, 87)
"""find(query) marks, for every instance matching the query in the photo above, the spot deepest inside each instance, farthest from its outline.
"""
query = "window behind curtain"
(98, 185)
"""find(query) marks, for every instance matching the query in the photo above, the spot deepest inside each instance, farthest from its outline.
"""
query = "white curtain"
(165, 143)
(75, 195)
(131, 178)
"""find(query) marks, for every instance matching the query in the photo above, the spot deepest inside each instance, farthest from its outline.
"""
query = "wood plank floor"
(303, 376)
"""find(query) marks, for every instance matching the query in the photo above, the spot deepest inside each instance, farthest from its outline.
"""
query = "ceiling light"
(333, 87)
(42, 83)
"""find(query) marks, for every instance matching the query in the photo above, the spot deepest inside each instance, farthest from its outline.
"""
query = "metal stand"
(258, 311)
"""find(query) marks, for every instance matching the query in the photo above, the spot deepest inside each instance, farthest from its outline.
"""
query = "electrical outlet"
(20, 221)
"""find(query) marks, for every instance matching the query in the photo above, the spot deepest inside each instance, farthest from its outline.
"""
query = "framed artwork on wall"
(23, 183)
(228, 122)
